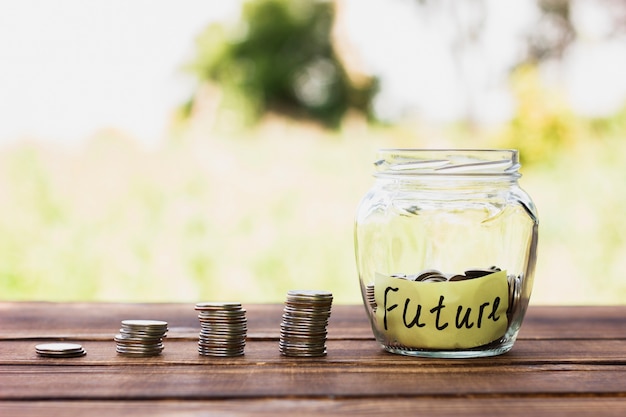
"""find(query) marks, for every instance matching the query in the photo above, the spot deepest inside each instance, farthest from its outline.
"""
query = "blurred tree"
(280, 58)
(552, 33)
(543, 123)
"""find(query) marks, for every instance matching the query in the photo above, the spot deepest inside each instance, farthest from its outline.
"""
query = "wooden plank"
(577, 322)
(474, 406)
(346, 352)
(300, 380)
(97, 321)
(568, 361)
(352, 368)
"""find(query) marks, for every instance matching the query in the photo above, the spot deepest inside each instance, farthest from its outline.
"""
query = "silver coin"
(301, 345)
(310, 293)
(147, 330)
(221, 347)
(234, 322)
(302, 337)
(478, 273)
(226, 313)
(220, 344)
(515, 293)
(222, 336)
(141, 337)
(134, 346)
(58, 347)
(221, 354)
(308, 302)
(145, 324)
(304, 322)
(306, 312)
(220, 306)
(303, 354)
(435, 278)
(426, 274)
(62, 355)
(285, 334)
(138, 354)
(139, 333)
(139, 344)
(216, 319)
(60, 350)
(136, 340)
(309, 326)
(303, 317)
(223, 329)
(143, 349)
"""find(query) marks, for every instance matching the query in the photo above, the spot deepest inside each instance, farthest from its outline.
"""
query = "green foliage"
(543, 124)
(280, 58)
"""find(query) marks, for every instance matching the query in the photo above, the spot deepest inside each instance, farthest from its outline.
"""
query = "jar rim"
(447, 162)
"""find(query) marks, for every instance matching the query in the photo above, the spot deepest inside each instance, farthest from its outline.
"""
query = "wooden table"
(567, 361)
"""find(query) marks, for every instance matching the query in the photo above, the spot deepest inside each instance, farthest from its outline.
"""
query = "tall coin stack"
(141, 337)
(223, 329)
(305, 318)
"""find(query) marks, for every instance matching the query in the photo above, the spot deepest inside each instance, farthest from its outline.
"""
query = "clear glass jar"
(446, 246)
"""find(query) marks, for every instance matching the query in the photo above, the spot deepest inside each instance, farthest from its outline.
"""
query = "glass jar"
(446, 246)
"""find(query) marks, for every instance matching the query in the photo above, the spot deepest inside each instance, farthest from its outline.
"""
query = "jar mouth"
(447, 162)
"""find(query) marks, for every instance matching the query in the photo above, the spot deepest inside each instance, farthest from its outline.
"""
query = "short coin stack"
(60, 350)
(305, 318)
(141, 337)
(223, 329)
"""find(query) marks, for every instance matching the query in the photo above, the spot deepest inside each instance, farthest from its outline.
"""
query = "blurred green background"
(243, 180)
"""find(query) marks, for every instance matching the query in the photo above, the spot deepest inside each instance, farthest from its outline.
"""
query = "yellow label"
(442, 315)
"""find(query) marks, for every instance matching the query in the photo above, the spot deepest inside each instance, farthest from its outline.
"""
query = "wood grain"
(485, 406)
(567, 361)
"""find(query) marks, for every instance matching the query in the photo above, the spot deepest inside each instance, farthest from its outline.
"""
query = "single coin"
(478, 273)
(145, 323)
(458, 278)
(426, 274)
(435, 278)
(218, 306)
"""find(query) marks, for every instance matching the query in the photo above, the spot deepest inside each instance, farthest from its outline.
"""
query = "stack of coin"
(515, 293)
(141, 337)
(60, 350)
(223, 329)
(303, 328)
(370, 295)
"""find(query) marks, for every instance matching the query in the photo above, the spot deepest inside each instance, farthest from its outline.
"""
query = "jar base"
(451, 354)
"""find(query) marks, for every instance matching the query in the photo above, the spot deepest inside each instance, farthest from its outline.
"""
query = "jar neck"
(450, 184)
(460, 171)
(436, 164)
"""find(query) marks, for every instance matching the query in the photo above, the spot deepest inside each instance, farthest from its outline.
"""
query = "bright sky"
(413, 51)
(69, 67)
